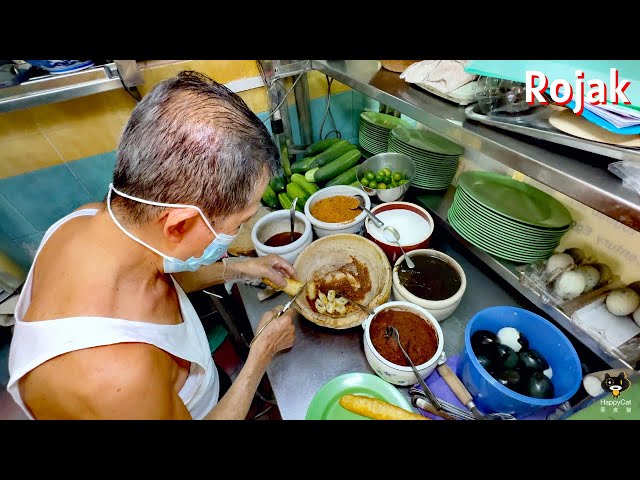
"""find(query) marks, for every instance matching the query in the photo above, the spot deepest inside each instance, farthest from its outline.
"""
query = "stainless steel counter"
(320, 354)
(576, 173)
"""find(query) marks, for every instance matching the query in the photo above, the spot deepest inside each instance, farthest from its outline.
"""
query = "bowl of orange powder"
(336, 209)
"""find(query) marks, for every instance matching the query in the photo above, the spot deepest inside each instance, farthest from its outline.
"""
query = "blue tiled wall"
(31, 202)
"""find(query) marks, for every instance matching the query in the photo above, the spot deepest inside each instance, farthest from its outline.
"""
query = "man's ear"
(178, 221)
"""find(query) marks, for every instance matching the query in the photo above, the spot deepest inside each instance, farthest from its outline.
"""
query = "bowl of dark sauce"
(437, 283)
(272, 235)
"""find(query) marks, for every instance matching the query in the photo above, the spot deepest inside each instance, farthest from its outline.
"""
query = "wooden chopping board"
(242, 246)
(568, 122)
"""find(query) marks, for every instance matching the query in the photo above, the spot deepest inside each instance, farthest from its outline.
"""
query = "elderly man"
(104, 329)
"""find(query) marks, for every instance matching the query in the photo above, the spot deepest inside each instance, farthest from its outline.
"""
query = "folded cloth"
(441, 390)
(443, 75)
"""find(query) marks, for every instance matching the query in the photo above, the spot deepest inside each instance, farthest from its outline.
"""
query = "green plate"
(383, 120)
(419, 153)
(498, 220)
(513, 256)
(504, 239)
(325, 406)
(516, 200)
(427, 141)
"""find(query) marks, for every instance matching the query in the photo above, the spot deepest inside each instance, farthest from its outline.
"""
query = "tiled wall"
(57, 157)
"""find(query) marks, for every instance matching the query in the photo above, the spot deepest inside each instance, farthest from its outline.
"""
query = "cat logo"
(615, 385)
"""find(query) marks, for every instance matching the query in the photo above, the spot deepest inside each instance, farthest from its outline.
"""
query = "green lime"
(364, 182)
(369, 175)
(379, 178)
(373, 184)
(387, 172)
(397, 176)
(382, 172)
(388, 179)
(381, 186)
(393, 185)
(403, 181)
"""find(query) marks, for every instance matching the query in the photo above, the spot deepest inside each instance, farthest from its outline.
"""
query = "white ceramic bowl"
(322, 229)
(377, 236)
(440, 309)
(276, 222)
(398, 374)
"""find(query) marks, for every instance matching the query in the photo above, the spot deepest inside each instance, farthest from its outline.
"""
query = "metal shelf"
(578, 174)
(438, 205)
(58, 88)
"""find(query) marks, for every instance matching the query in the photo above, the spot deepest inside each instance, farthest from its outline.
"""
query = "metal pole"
(303, 108)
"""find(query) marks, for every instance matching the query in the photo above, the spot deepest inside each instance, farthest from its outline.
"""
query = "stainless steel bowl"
(396, 162)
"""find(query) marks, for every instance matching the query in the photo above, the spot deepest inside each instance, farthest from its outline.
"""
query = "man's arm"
(202, 278)
(277, 336)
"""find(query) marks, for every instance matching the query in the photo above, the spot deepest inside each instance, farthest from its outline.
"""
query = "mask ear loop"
(160, 204)
(115, 220)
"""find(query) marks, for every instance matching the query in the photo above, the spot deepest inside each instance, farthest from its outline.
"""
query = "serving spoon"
(376, 221)
(394, 236)
(391, 331)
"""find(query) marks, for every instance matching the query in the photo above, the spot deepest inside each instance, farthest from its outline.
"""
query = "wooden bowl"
(330, 253)
(397, 66)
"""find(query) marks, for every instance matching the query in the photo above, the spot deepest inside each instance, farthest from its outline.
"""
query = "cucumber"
(294, 190)
(320, 146)
(269, 197)
(333, 152)
(345, 178)
(338, 166)
(309, 176)
(278, 183)
(302, 166)
(308, 187)
(286, 202)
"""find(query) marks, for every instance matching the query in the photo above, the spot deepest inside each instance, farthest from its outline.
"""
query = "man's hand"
(273, 267)
(279, 334)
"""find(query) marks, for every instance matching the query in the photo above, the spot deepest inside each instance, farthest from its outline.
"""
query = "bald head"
(192, 141)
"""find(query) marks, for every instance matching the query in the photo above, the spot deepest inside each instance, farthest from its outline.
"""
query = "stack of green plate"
(436, 158)
(373, 133)
(506, 218)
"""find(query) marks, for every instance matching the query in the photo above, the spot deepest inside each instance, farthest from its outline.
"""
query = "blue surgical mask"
(214, 252)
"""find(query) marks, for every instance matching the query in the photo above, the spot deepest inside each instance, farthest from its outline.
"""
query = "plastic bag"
(629, 172)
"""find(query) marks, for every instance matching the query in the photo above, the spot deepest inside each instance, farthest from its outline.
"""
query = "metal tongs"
(280, 312)
(420, 400)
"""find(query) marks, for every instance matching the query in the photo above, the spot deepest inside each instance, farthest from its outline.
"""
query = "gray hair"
(193, 141)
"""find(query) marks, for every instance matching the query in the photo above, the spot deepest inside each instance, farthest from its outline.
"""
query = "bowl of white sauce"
(413, 223)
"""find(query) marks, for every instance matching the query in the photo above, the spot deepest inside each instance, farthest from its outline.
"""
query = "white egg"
(622, 301)
(509, 336)
(558, 260)
(577, 254)
(636, 316)
(569, 285)
(548, 373)
(591, 276)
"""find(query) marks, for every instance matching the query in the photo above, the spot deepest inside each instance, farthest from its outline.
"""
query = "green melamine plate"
(516, 200)
(427, 141)
(512, 254)
(492, 217)
(435, 169)
(325, 406)
(504, 238)
(383, 120)
(419, 153)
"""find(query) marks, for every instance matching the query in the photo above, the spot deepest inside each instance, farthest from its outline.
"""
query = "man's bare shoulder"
(97, 205)
(119, 381)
